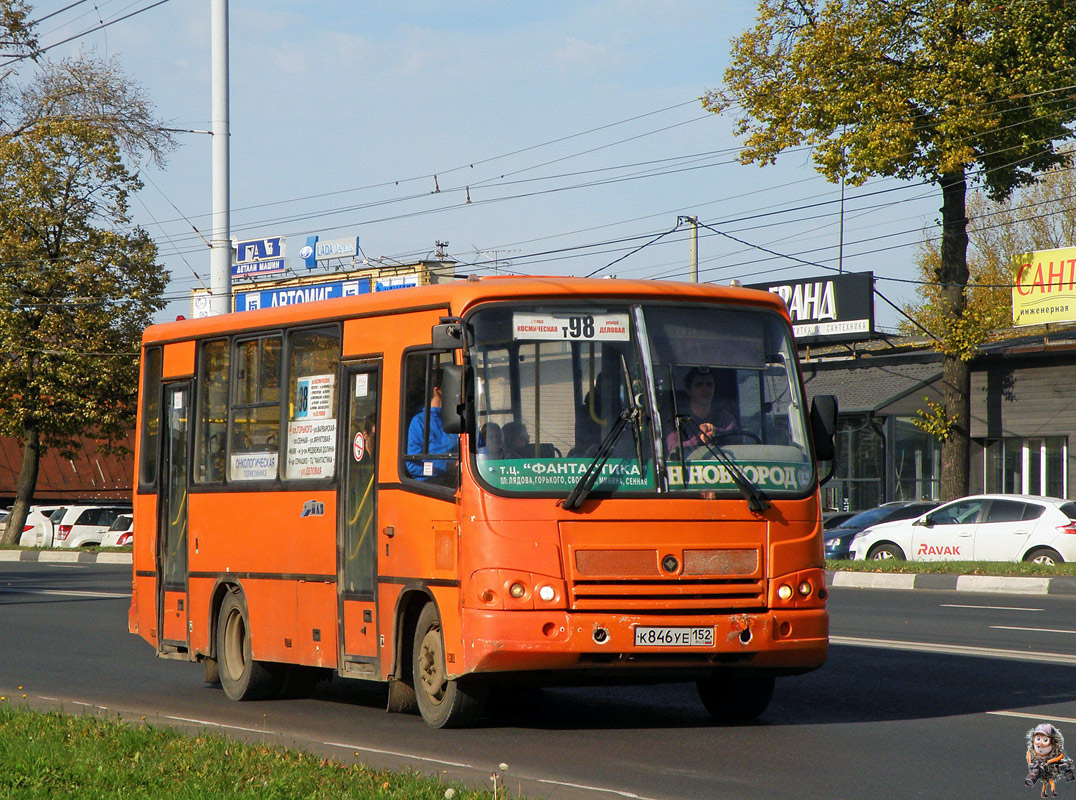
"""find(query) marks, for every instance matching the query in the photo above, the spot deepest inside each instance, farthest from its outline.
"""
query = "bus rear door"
(357, 538)
(172, 519)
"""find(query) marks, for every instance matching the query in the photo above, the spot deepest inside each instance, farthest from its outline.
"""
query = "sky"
(574, 129)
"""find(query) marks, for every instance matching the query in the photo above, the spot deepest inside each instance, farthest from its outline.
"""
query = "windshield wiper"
(576, 497)
(756, 498)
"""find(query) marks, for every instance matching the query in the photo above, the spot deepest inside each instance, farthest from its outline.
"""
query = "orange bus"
(452, 487)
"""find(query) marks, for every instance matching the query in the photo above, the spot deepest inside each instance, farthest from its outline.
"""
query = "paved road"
(934, 711)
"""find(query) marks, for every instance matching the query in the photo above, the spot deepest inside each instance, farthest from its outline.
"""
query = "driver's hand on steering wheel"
(706, 431)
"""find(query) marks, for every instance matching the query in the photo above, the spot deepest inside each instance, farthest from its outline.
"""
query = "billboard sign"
(833, 309)
(1044, 286)
(255, 257)
(397, 282)
(307, 293)
(317, 249)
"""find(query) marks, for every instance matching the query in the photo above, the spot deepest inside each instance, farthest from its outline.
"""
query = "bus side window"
(430, 455)
(212, 431)
(151, 418)
(313, 364)
(255, 410)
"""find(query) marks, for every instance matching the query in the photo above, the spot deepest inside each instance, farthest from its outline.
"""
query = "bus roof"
(456, 298)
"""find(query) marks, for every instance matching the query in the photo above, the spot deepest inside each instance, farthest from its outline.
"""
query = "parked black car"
(838, 540)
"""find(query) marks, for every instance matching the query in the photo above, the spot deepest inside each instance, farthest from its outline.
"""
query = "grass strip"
(1010, 568)
(56, 755)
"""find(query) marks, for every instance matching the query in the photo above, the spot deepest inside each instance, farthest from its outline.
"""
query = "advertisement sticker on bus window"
(314, 397)
(253, 467)
(771, 475)
(576, 326)
(362, 385)
(311, 449)
(562, 474)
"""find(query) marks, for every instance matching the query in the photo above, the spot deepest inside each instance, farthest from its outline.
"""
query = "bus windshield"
(684, 398)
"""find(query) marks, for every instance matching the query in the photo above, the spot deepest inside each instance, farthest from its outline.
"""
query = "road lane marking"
(65, 593)
(956, 650)
(989, 608)
(223, 725)
(397, 754)
(1025, 715)
(1032, 630)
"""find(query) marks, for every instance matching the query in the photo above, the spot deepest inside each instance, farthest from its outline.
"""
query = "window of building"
(255, 413)
(1025, 466)
(916, 462)
(858, 481)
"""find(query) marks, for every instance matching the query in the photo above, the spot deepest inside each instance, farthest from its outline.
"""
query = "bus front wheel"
(443, 702)
(241, 677)
(735, 698)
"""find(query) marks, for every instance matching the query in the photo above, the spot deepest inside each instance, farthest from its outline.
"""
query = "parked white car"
(989, 527)
(38, 529)
(120, 533)
(83, 526)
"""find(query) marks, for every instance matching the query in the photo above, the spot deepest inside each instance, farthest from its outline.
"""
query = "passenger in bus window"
(710, 394)
(440, 443)
(491, 441)
(516, 441)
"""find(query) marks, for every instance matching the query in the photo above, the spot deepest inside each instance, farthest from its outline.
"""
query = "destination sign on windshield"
(575, 326)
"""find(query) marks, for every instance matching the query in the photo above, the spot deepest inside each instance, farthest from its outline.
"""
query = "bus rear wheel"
(241, 677)
(735, 698)
(443, 702)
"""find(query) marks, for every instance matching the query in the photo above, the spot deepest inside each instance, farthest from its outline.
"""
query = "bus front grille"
(670, 595)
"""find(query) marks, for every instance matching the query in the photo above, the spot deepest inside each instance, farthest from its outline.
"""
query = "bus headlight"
(546, 593)
(806, 588)
(517, 590)
(784, 591)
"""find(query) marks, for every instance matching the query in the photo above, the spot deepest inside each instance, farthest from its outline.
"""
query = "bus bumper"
(787, 641)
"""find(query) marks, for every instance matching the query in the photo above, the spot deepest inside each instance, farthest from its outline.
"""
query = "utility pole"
(220, 243)
(694, 222)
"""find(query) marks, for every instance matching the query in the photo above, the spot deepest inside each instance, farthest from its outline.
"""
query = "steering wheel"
(703, 453)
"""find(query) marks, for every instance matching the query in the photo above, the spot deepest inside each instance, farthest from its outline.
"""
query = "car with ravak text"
(988, 527)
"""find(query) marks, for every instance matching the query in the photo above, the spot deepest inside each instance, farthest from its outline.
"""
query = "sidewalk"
(999, 584)
(65, 557)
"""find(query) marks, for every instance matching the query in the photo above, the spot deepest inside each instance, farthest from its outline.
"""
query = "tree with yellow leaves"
(957, 92)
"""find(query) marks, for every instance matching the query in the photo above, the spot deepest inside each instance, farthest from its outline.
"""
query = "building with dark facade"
(1023, 414)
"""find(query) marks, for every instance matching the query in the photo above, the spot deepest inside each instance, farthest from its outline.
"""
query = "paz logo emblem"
(313, 508)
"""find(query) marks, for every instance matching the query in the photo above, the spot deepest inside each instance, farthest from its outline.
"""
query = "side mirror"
(453, 400)
(824, 426)
(926, 522)
(447, 334)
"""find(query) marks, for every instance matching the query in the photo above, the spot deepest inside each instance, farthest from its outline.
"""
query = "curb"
(65, 557)
(987, 584)
(901, 581)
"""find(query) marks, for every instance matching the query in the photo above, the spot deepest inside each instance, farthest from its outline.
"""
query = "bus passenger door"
(358, 522)
(172, 519)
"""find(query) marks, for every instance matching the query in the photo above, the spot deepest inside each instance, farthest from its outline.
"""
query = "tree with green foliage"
(78, 284)
(955, 92)
(78, 281)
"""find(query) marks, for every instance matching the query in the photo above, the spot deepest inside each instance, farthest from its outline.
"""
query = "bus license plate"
(674, 637)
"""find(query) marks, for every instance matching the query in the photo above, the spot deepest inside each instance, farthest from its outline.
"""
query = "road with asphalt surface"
(926, 693)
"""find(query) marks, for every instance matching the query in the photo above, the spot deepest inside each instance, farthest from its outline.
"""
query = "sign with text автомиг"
(1044, 286)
